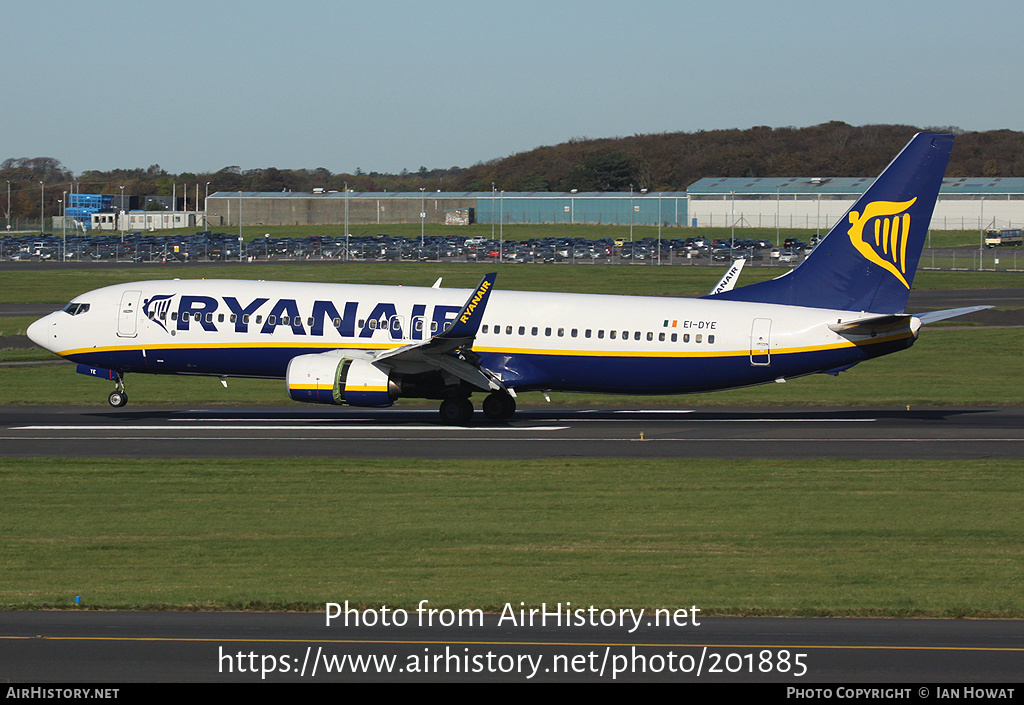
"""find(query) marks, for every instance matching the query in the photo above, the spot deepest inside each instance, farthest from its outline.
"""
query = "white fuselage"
(528, 340)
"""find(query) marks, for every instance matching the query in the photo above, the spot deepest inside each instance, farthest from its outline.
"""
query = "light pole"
(492, 210)
(981, 235)
(631, 212)
(423, 212)
(659, 226)
(732, 243)
(42, 195)
(122, 215)
(206, 215)
(817, 221)
(777, 212)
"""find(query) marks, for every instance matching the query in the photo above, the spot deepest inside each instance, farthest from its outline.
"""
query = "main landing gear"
(458, 410)
(118, 397)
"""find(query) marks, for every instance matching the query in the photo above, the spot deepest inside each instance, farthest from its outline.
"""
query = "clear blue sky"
(387, 85)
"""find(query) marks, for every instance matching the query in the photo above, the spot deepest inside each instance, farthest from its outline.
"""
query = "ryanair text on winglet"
(484, 286)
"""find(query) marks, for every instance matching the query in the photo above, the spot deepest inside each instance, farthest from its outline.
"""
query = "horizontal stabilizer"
(876, 325)
(933, 316)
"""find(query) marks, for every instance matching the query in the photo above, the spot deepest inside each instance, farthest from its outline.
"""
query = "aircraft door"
(127, 314)
(760, 342)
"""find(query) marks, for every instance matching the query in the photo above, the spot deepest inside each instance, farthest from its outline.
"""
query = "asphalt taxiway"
(711, 432)
(167, 647)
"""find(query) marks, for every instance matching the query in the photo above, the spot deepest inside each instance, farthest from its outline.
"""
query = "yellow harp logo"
(891, 232)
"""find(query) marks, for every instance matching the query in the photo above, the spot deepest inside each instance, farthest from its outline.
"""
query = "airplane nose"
(38, 333)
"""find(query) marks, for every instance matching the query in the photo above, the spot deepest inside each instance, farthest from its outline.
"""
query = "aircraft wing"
(451, 350)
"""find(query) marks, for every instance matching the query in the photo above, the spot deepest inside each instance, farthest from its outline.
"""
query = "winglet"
(467, 323)
(729, 279)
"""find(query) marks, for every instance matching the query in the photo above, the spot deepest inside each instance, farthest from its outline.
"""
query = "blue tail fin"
(867, 261)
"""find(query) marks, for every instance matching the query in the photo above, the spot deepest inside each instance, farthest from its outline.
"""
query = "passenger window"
(497, 330)
(611, 334)
(373, 325)
(508, 330)
(271, 320)
(561, 332)
(220, 317)
(686, 337)
(259, 319)
(697, 338)
(675, 337)
(174, 315)
(309, 321)
(636, 336)
(209, 317)
(522, 330)
(586, 334)
(661, 337)
(483, 328)
(547, 331)
(533, 331)
(573, 332)
(433, 326)
(336, 322)
(711, 340)
(600, 334)
(284, 320)
(650, 336)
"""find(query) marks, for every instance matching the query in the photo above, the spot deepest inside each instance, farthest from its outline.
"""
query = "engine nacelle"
(329, 379)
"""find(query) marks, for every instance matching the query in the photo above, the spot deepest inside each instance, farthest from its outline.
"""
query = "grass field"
(732, 537)
(57, 286)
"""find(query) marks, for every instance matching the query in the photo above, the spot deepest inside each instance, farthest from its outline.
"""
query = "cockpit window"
(75, 308)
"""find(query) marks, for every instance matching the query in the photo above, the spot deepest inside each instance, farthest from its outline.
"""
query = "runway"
(710, 432)
(174, 647)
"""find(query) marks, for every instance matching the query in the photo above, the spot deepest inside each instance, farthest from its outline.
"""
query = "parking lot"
(206, 246)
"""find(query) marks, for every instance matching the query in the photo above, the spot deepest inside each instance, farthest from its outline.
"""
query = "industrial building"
(258, 208)
(808, 203)
(969, 203)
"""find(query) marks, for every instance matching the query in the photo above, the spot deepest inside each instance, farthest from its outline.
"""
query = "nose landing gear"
(118, 397)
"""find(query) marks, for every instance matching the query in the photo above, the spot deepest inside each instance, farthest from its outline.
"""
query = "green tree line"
(658, 162)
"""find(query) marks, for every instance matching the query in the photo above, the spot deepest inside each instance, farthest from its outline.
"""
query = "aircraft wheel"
(499, 406)
(456, 411)
(117, 399)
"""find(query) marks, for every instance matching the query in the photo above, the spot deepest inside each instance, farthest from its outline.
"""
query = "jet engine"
(329, 379)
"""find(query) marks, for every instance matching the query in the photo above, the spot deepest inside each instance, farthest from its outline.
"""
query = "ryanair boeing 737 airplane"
(365, 345)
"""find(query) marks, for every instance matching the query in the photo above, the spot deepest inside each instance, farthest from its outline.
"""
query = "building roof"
(845, 185)
(447, 194)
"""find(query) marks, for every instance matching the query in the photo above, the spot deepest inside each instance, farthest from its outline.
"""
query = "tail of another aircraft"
(867, 261)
